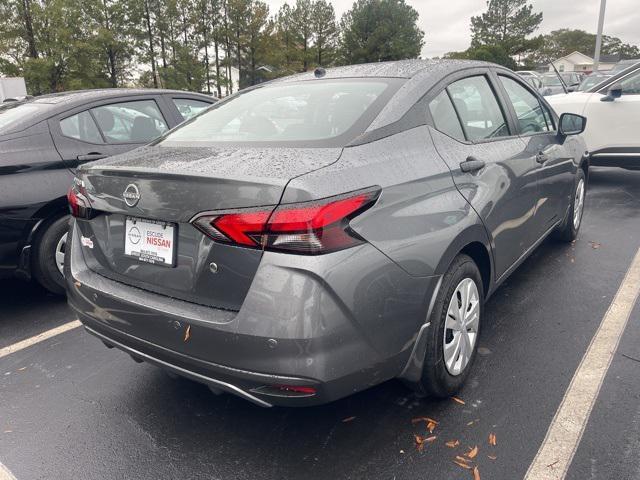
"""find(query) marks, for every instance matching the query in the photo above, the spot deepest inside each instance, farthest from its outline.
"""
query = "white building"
(579, 62)
(12, 87)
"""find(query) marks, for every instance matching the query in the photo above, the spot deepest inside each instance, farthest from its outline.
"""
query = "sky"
(446, 23)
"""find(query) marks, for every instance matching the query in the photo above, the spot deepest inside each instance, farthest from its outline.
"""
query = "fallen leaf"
(187, 333)
(492, 457)
(472, 453)
(348, 419)
(476, 473)
(431, 427)
(457, 400)
(21, 369)
(472, 422)
(452, 443)
(423, 419)
(595, 245)
(463, 465)
(461, 459)
(430, 439)
(492, 439)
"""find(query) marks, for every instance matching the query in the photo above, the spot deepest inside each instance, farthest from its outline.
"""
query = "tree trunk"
(152, 55)
(28, 25)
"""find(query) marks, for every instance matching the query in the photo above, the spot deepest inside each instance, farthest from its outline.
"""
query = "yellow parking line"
(5, 474)
(563, 436)
(37, 339)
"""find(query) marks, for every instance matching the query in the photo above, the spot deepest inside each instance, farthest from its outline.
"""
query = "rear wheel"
(568, 230)
(48, 260)
(453, 335)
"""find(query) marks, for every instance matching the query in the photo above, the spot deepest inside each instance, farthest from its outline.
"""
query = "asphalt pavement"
(72, 409)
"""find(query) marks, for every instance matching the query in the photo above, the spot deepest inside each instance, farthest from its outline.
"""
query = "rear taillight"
(78, 203)
(310, 228)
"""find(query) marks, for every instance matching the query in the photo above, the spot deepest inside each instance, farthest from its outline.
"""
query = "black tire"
(436, 381)
(567, 231)
(45, 269)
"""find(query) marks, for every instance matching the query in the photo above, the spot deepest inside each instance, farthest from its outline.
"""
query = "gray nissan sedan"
(313, 236)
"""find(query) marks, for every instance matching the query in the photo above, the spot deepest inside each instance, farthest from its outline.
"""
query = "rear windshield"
(13, 113)
(551, 81)
(310, 113)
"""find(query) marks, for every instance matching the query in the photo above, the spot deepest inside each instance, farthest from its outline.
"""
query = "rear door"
(474, 134)
(555, 163)
(109, 127)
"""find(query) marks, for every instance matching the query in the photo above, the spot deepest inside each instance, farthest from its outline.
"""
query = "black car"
(42, 141)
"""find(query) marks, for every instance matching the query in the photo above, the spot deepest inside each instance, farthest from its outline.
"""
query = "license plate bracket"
(150, 241)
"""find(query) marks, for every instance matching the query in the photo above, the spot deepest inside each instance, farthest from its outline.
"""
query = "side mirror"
(571, 124)
(615, 91)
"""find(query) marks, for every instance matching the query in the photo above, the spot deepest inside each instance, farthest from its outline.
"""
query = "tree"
(507, 24)
(486, 53)
(301, 18)
(380, 30)
(285, 30)
(560, 43)
(324, 31)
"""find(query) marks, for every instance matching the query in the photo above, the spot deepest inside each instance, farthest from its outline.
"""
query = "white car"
(612, 109)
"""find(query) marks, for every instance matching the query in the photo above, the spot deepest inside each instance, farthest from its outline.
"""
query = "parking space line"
(563, 436)
(5, 474)
(38, 338)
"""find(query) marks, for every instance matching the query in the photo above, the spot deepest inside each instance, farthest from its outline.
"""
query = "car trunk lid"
(165, 188)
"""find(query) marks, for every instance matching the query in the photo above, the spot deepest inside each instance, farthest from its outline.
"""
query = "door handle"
(91, 156)
(541, 157)
(471, 164)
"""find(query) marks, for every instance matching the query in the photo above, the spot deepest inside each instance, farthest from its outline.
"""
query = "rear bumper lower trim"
(228, 387)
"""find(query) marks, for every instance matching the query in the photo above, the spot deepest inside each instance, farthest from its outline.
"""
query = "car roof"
(71, 98)
(397, 69)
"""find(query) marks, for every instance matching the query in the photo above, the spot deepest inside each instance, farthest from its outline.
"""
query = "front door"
(489, 164)
(556, 167)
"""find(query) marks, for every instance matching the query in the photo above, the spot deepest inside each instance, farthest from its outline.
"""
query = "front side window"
(313, 112)
(130, 122)
(530, 114)
(478, 108)
(81, 127)
(189, 107)
(631, 84)
(444, 116)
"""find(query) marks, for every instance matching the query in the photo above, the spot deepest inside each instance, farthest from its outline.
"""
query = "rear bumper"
(339, 323)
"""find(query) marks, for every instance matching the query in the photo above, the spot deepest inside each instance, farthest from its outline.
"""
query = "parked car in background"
(551, 84)
(623, 65)
(44, 139)
(592, 80)
(613, 111)
(316, 235)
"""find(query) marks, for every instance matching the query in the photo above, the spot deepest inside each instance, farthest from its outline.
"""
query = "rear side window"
(478, 108)
(189, 107)
(529, 111)
(444, 116)
(130, 122)
(81, 127)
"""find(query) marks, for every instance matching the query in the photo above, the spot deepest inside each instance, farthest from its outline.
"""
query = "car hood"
(573, 102)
